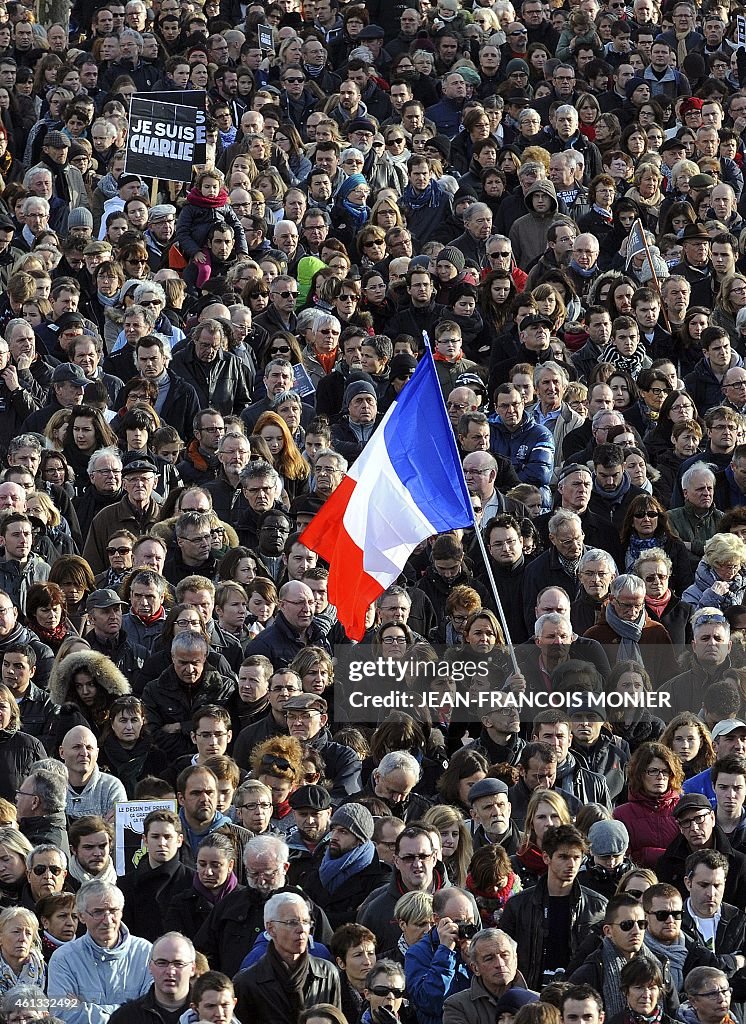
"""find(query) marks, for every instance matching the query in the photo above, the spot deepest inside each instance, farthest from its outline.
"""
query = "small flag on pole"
(636, 244)
(406, 486)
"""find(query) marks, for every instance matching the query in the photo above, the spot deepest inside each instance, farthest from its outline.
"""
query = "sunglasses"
(42, 869)
(663, 915)
(384, 990)
(119, 551)
(286, 295)
(279, 348)
(627, 926)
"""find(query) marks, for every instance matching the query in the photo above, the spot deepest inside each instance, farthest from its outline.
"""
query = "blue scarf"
(431, 197)
(195, 838)
(334, 871)
(579, 270)
(359, 214)
(636, 547)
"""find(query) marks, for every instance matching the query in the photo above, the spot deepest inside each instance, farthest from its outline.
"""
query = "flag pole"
(498, 602)
(656, 282)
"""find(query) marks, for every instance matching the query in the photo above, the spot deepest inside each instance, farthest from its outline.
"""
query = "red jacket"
(651, 826)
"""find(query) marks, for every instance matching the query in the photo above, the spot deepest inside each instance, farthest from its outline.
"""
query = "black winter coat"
(46, 828)
(18, 751)
(280, 642)
(167, 701)
(222, 384)
(524, 920)
(148, 893)
(341, 906)
(262, 996)
(232, 928)
(188, 911)
(670, 866)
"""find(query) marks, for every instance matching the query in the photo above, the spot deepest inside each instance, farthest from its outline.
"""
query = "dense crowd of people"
(549, 197)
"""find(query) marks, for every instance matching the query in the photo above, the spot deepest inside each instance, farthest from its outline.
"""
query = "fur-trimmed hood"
(103, 670)
(165, 530)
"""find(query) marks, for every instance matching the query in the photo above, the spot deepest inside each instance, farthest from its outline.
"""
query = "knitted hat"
(453, 256)
(358, 387)
(512, 1000)
(350, 183)
(464, 193)
(356, 819)
(79, 217)
(608, 837)
(632, 84)
(401, 365)
(516, 64)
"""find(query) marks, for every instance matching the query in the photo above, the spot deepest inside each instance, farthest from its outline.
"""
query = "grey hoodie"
(529, 233)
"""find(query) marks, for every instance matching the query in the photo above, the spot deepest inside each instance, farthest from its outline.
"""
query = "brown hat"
(695, 233)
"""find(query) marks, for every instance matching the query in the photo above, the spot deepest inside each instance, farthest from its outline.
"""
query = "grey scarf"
(674, 956)
(630, 633)
(614, 1001)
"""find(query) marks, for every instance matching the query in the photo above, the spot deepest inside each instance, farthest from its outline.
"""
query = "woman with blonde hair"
(14, 849)
(21, 960)
(719, 580)
(386, 214)
(455, 840)
(646, 189)
(546, 809)
(278, 763)
(286, 457)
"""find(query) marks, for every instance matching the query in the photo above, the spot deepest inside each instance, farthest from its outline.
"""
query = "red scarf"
(282, 810)
(328, 359)
(148, 620)
(658, 605)
(195, 197)
(531, 857)
(492, 901)
(442, 359)
(51, 636)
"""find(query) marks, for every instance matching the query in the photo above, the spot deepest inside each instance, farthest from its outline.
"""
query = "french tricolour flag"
(406, 486)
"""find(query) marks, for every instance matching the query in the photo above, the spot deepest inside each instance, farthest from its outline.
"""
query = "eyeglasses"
(180, 965)
(187, 622)
(296, 922)
(659, 391)
(147, 302)
(658, 773)
(653, 576)
(261, 806)
(279, 348)
(499, 255)
(690, 823)
(627, 926)
(663, 915)
(101, 912)
(410, 858)
(369, 245)
(293, 81)
(714, 993)
(119, 551)
(385, 990)
(134, 259)
(636, 894)
(394, 142)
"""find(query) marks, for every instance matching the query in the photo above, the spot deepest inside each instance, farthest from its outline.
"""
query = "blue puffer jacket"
(530, 449)
(433, 973)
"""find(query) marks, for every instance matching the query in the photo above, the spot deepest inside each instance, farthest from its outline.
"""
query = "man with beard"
(312, 807)
(349, 869)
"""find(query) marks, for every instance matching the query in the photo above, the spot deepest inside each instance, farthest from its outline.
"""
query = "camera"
(467, 931)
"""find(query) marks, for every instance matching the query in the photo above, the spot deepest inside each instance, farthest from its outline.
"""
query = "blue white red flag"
(406, 486)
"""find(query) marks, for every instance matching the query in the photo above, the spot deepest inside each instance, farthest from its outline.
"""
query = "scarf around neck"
(612, 992)
(674, 955)
(631, 364)
(636, 547)
(630, 633)
(431, 197)
(292, 980)
(658, 605)
(214, 896)
(195, 197)
(335, 871)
